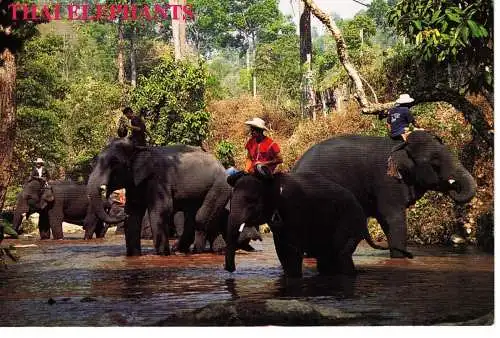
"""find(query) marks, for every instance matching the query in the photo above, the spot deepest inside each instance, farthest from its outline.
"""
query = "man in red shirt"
(261, 149)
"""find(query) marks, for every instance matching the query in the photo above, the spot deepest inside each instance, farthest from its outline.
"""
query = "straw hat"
(404, 98)
(39, 160)
(257, 123)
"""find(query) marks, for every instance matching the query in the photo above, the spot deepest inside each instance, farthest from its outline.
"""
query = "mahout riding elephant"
(387, 176)
(306, 213)
(162, 180)
(57, 202)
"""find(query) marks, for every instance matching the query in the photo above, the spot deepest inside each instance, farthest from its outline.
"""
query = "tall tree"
(209, 30)
(12, 35)
(120, 57)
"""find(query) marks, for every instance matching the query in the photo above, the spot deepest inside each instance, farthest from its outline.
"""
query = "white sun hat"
(404, 98)
(39, 160)
(257, 123)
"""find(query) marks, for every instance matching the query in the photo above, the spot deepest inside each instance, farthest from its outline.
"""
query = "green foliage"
(378, 12)
(39, 134)
(352, 30)
(65, 97)
(449, 31)
(91, 111)
(209, 31)
(11, 196)
(224, 72)
(93, 52)
(41, 81)
(174, 97)
(225, 151)
(278, 69)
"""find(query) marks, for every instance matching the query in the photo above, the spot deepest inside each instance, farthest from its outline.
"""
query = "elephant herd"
(320, 207)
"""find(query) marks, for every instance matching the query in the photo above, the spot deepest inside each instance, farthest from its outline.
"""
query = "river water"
(73, 282)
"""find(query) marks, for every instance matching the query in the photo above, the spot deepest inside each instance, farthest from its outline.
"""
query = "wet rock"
(51, 301)
(487, 319)
(259, 313)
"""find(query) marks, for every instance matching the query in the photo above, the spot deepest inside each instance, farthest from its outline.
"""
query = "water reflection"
(437, 285)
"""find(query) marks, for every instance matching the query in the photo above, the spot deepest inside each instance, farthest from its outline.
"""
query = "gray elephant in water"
(387, 176)
(57, 202)
(306, 213)
(162, 180)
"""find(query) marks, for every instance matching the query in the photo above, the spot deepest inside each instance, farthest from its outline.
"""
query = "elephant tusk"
(241, 227)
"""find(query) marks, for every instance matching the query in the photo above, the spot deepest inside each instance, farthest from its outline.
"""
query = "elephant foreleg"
(132, 228)
(187, 236)
(101, 229)
(44, 226)
(290, 256)
(395, 223)
(200, 241)
(56, 220)
(160, 214)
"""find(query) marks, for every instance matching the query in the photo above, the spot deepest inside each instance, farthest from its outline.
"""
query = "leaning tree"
(449, 34)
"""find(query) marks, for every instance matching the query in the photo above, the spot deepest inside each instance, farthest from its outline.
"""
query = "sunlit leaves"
(173, 97)
(450, 31)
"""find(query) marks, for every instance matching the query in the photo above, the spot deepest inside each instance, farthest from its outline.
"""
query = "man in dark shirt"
(400, 117)
(137, 127)
(39, 171)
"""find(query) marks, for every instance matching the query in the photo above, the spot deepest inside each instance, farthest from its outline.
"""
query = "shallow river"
(76, 283)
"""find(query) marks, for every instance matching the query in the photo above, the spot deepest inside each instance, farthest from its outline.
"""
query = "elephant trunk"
(231, 239)
(21, 209)
(18, 219)
(462, 186)
(97, 180)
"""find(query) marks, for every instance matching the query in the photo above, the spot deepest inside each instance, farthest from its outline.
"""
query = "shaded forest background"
(74, 78)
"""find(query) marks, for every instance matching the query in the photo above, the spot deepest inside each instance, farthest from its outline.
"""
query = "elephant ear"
(399, 164)
(143, 167)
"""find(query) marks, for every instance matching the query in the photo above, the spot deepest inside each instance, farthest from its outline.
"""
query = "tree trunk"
(120, 59)
(306, 61)
(305, 35)
(7, 118)
(133, 64)
(341, 51)
(254, 75)
(248, 65)
(178, 30)
(182, 32)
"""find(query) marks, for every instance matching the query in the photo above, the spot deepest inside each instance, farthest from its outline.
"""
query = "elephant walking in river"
(387, 176)
(162, 180)
(58, 202)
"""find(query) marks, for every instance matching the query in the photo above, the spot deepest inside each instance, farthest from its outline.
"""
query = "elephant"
(57, 202)
(387, 176)
(306, 213)
(162, 180)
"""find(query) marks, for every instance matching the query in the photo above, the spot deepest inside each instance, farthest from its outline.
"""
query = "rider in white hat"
(39, 171)
(400, 117)
(261, 149)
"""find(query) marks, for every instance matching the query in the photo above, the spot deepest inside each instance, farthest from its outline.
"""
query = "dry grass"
(294, 135)
(228, 123)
